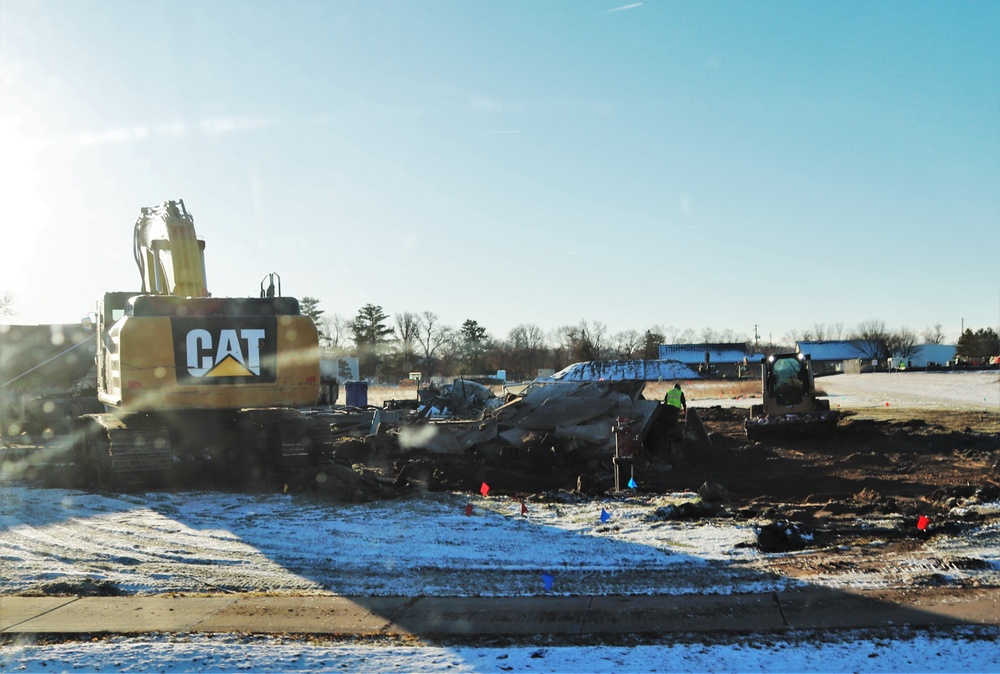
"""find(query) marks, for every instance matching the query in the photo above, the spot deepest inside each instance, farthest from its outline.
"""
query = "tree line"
(389, 347)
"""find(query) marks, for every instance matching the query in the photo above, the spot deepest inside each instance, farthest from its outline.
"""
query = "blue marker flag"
(548, 579)
(604, 515)
(631, 483)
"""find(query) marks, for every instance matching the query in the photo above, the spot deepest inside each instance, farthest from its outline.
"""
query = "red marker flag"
(524, 508)
(468, 510)
(922, 522)
(485, 489)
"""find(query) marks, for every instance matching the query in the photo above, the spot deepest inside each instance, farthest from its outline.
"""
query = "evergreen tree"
(473, 338)
(309, 306)
(371, 334)
(369, 326)
(978, 345)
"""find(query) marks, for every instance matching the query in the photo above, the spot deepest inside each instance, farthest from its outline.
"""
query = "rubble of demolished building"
(561, 433)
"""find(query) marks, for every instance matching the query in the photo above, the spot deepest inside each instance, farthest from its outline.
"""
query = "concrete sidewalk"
(814, 608)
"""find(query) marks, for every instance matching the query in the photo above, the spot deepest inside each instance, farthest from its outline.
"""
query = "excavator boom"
(168, 252)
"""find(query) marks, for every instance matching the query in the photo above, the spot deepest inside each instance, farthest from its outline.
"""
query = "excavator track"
(119, 452)
(112, 453)
(294, 439)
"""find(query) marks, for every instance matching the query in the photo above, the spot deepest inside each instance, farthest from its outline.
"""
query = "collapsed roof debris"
(626, 370)
(551, 435)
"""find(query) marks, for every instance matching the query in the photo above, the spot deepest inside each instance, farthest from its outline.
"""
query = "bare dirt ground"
(908, 446)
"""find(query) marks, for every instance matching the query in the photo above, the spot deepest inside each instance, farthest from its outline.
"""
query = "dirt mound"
(86, 587)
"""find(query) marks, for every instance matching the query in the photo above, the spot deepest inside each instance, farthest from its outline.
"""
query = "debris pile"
(626, 370)
(553, 435)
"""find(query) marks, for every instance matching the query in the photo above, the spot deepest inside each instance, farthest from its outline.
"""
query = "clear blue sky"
(688, 164)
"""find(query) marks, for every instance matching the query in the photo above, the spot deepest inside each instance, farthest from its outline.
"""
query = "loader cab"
(788, 378)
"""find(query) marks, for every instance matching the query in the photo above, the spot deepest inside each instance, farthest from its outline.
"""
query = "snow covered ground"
(961, 650)
(208, 541)
(925, 390)
(279, 543)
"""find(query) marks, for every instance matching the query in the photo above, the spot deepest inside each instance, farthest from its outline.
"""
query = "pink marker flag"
(485, 489)
(468, 510)
(922, 522)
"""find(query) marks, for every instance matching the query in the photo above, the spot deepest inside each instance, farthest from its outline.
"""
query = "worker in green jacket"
(674, 402)
(675, 398)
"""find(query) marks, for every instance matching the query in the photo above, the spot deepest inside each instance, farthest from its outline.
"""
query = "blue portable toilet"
(356, 393)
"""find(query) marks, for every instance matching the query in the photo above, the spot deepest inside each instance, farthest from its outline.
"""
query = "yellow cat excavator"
(187, 377)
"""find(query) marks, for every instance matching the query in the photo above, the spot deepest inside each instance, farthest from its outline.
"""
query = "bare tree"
(525, 351)
(527, 336)
(871, 338)
(902, 343)
(686, 336)
(336, 328)
(823, 332)
(7, 304)
(582, 342)
(407, 336)
(934, 335)
(597, 334)
(431, 336)
(626, 344)
(820, 332)
(668, 333)
(796, 335)
(729, 336)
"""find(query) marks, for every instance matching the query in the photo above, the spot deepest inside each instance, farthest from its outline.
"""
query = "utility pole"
(756, 338)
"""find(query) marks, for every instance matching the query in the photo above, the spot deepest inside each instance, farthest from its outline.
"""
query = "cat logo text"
(234, 353)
